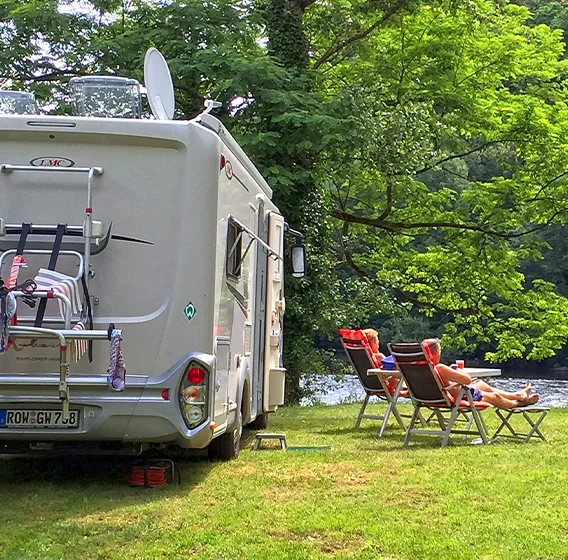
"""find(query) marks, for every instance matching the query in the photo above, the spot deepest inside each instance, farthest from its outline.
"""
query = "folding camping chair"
(359, 353)
(426, 391)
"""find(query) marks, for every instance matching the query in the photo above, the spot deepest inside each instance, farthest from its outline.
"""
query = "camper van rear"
(157, 189)
(182, 252)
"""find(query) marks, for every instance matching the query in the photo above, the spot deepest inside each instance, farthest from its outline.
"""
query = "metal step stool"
(261, 436)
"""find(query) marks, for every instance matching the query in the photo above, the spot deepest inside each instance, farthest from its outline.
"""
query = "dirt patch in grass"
(245, 470)
(325, 542)
(94, 519)
(357, 478)
(344, 473)
(408, 497)
(292, 485)
(281, 495)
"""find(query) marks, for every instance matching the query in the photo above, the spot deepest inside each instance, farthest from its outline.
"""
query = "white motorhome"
(166, 233)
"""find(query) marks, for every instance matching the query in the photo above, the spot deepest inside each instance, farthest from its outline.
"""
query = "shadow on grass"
(106, 470)
(66, 499)
(365, 431)
(392, 440)
(101, 471)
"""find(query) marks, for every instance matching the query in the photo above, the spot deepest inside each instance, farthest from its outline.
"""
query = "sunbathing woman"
(480, 391)
(373, 340)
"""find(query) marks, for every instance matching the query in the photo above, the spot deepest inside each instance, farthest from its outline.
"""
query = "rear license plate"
(11, 418)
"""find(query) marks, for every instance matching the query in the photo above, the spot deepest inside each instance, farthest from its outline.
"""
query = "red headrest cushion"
(431, 349)
(347, 334)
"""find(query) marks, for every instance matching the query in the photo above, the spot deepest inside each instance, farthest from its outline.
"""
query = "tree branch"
(399, 227)
(547, 184)
(349, 256)
(395, 8)
(54, 75)
(431, 305)
(456, 156)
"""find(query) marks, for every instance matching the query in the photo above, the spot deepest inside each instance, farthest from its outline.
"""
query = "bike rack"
(86, 231)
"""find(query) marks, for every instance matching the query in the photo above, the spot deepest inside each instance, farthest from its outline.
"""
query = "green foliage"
(40, 44)
(439, 90)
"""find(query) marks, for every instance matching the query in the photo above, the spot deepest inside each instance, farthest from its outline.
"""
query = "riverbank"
(327, 390)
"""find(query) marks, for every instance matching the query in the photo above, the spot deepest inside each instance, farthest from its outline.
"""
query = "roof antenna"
(211, 104)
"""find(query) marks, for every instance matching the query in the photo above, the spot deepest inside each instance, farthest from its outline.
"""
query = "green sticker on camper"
(190, 311)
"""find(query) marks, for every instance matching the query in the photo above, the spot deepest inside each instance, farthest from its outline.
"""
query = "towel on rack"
(62, 284)
(78, 345)
(17, 263)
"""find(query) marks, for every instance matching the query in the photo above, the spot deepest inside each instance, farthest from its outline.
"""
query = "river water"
(328, 390)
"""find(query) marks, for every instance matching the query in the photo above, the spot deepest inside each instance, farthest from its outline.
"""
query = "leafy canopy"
(456, 156)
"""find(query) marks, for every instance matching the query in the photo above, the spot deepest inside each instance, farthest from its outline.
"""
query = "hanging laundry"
(8, 310)
(78, 345)
(116, 370)
(62, 284)
(17, 263)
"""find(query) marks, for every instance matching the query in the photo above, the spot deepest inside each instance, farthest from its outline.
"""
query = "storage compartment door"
(222, 372)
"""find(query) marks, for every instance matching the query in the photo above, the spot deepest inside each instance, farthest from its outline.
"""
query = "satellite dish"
(159, 86)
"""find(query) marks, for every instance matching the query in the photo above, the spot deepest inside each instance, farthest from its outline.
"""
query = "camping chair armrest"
(386, 372)
(453, 386)
(459, 385)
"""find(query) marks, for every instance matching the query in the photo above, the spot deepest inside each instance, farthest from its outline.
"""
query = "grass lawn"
(366, 498)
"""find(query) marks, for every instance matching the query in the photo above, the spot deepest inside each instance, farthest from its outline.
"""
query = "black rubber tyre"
(259, 423)
(227, 446)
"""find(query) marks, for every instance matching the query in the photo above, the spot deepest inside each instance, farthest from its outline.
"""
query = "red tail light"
(195, 376)
(166, 394)
(193, 393)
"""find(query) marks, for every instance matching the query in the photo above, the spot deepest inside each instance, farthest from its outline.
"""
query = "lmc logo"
(52, 161)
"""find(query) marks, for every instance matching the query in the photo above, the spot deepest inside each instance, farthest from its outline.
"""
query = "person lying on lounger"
(373, 340)
(480, 391)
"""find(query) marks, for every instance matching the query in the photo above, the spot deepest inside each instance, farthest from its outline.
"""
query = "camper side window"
(234, 250)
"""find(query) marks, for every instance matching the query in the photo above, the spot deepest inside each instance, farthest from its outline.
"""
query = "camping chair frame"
(391, 407)
(505, 416)
(426, 391)
(374, 380)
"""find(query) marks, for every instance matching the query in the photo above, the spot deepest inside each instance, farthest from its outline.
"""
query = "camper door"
(274, 373)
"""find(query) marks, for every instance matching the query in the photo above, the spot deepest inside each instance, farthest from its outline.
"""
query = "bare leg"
(499, 401)
(520, 395)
